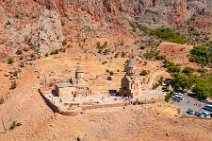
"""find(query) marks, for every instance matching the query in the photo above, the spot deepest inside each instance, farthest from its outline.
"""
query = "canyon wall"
(44, 24)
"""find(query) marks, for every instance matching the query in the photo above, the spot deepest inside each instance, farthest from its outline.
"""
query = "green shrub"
(169, 96)
(188, 70)
(62, 23)
(133, 26)
(144, 73)
(202, 70)
(160, 57)
(102, 48)
(123, 54)
(174, 69)
(203, 87)
(168, 35)
(106, 51)
(156, 85)
(117, 55)
(32, 56)
(13, 86)
(183, 81)
(201, 55)
(64, 42)
(171, 66)
(10, 60)
(111, 73)
(161, 80)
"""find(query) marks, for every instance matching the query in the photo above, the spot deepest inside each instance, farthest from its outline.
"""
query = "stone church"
(72, 87)
(130, 84)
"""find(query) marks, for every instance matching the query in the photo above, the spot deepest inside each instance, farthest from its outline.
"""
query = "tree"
(182, 81)
(169, 96)
(202, 91)
(202, 55)
(168, 35)
(203, 87)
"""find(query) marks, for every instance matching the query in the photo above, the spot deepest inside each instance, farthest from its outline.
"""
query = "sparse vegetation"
(123, 54)
(32, 56)
(1, 100)
(160, 83)
(14, 85)
(169, 96)
(165, 33)
(133, 26)
(168, 35)
(110, 72)
(10, 60)
(202, 55)
(103, 49)
(62, 23)
(144, 73)
(172, 68)
(117, 55)
(202, 70)
(188, 70)
(14, 125)
(56, 51)
(155, 86)
(203, 87)
(183, 81)
(64, 42)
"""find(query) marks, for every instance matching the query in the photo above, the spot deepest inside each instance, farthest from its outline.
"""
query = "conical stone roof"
(130, 64)
(79, 70)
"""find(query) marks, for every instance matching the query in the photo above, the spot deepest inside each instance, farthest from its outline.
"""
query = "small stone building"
(73, 87)
(130, 84)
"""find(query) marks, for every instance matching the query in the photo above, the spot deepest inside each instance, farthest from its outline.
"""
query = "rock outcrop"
(45, 24)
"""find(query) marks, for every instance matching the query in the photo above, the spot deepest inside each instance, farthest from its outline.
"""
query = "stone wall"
(90, 107)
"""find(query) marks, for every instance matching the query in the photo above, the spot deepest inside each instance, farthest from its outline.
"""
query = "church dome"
(79, 70)
(130, 64)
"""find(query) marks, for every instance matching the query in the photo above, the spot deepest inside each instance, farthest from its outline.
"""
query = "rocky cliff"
(44, 24)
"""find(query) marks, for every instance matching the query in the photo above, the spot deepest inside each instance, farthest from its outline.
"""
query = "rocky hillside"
(44, 25)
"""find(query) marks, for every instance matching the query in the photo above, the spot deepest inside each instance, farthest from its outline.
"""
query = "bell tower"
(130, 68)
(79, 75)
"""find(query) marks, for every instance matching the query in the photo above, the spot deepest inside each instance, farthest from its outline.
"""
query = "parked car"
(208, 108)
(180, 91)
(192, 95)
(205, 115)
(197, 113)
(190, 111)
(178, 98)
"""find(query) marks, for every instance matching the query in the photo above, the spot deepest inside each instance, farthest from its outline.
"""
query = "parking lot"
(189, 102)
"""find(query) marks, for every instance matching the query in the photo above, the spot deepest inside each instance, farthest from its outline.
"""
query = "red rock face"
(178, 13)
(61, 5)
(22, 19)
